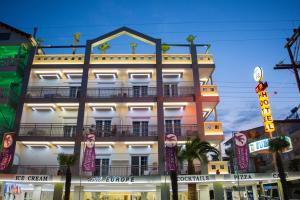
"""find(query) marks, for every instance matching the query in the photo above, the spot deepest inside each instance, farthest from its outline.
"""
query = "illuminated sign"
(258, 74)
(266, 111)
(261, 145)
(8, 150)
(261, 87)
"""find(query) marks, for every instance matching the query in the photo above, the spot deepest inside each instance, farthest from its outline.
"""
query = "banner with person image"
(89, 154)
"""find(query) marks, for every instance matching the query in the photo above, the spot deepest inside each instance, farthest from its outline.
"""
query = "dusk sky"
(243, 34)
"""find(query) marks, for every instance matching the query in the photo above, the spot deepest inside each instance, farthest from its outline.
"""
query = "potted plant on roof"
(103, 47)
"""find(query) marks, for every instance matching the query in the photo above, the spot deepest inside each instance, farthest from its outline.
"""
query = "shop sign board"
(266, 111)
(241, 150)
(263, 144)
(8, 150)
(171, 145)
(88, 163)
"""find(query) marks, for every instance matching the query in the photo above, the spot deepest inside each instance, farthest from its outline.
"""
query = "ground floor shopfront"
(44, 187)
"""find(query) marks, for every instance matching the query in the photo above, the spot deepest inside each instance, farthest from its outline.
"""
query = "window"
(140, 128)
(213, 166)
(140, 91)
(139, 165)
(221, 166)
(69, 131)
(28, 195)
(171, 89)
(173, 127)
(74, 92)
(102, 167)
(4, 36)
(103, 128)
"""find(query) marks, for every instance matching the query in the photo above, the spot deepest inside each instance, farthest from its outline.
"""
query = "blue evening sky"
(243, 34)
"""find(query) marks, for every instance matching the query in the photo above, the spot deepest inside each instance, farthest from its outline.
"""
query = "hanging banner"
(241, 151)
(89, 155)
(171, 146)
(8, 150)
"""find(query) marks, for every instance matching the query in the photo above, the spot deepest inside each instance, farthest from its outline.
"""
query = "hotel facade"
(131, 101)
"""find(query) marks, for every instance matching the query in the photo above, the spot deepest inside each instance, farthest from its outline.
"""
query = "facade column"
(255, 192)
(197, 92)
(218, 191)
(37, 193)
(25, 82)
(203, 192)
(78, 193)
(81, 109)
(165, 193)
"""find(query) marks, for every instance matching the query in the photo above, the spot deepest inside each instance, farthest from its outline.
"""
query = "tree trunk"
(282, 176)
(68, 183)
(192, 192)
(173, 175)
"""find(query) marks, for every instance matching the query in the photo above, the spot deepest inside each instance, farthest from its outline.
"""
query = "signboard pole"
(235, 166)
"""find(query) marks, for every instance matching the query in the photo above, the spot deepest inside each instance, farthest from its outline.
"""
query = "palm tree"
(190, 39)
(68, 161)
(165, 47)
(133, 46)
(76, 38)
(103, 47)
(195, 150)
(278, 145)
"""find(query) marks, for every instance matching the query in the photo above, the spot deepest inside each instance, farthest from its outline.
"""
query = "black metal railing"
(54, 130)
(123, 92)
(182, 129)
(53, 92)
(179, 91)
(101, 170)
(124, 130)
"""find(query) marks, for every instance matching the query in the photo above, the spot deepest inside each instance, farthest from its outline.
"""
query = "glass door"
(140, 128)
(139, 165)
(102, 167)
(170, 89)
(103, 128)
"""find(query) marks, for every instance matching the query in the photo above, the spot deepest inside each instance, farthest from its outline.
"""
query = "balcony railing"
(180, 91)
(52, 130)
(120, 59)
(209, 90)
(101, 170)
(213, 128)
(59, 59)
(125, 131)
(121, 92)
(182, 130)
(53, 92)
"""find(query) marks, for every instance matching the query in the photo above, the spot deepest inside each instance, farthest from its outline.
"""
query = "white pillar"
(78, 193)
(203, 192)
(158, 193)
(37, 193)
(255, 192)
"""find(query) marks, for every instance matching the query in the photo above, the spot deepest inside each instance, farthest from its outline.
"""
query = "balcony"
(125, 131)
(120, 59)
(121, 92)
(53, 92)
(182, 130)
(213, 129)
(47, 130)
(209, 90)
(103, 170)
(178, 91)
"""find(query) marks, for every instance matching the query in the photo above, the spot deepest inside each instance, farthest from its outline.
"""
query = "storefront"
(41, 187)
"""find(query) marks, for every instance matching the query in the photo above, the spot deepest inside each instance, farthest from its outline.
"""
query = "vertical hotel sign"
(88, 163)
(264, 101)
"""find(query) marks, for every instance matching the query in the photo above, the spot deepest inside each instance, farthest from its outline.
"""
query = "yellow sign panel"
(266, 111)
